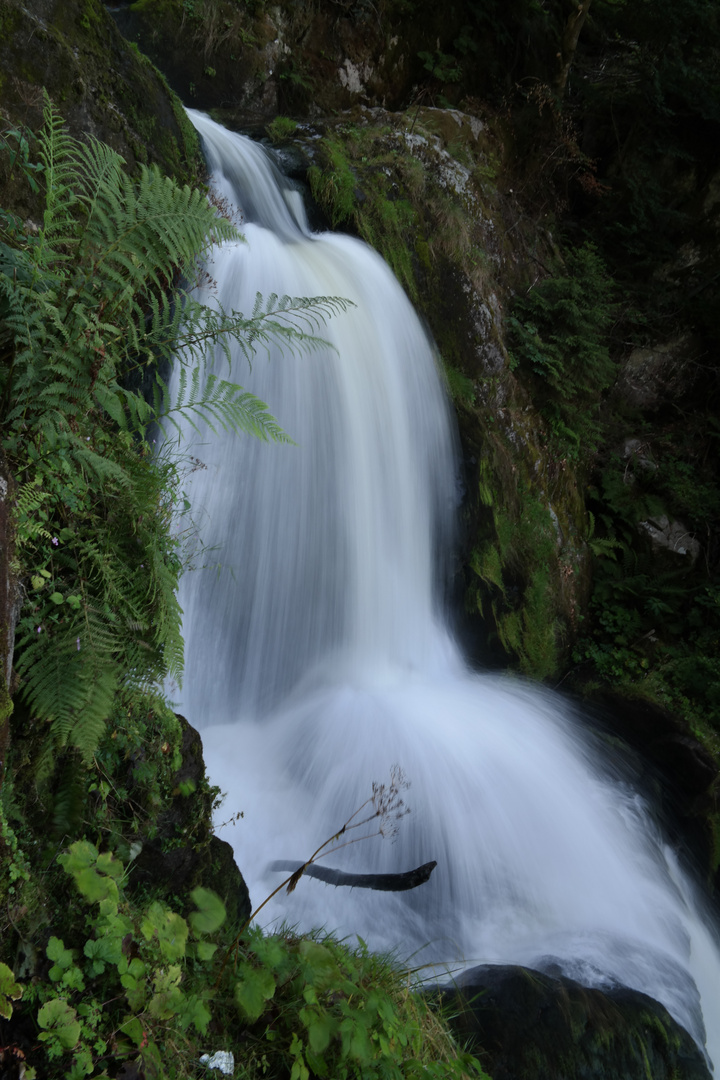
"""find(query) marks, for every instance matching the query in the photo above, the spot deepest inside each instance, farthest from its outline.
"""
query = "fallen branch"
(382, 882)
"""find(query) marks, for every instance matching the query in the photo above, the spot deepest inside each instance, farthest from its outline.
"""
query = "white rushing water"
(317, 657)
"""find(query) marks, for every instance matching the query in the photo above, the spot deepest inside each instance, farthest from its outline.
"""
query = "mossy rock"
(183, 853)
(526, 1025)
(98, 82)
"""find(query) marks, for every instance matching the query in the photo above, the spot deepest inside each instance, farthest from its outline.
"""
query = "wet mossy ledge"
(100, 84)
(430, 190)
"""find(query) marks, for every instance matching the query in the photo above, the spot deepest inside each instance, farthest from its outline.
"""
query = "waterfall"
(318, 656)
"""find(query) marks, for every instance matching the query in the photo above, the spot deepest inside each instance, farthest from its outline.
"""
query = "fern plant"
(559, 333)
(101, 292)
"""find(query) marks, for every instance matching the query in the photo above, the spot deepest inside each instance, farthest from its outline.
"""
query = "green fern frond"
(220, 403)
(86, 304)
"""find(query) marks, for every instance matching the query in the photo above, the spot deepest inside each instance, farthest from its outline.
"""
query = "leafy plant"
(142, 984)
(88, 304)
(559, 336)
(282, 127)
(441, 66)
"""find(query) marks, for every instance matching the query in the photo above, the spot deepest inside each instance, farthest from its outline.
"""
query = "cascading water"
(317, 657)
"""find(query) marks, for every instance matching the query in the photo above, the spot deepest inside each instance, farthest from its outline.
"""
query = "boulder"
(526, 1025)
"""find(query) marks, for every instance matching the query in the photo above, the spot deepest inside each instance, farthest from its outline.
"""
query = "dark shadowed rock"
(99, 83)
(184, 853)
(526, 1025)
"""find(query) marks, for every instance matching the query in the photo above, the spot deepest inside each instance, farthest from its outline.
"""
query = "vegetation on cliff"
(147, 968)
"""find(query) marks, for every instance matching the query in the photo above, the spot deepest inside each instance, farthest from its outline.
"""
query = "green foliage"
(282, 127)
(441, 66)
(9, 991)
(143, 985)
(513, 580)
(314, 1007)
(128, 983)
(15, 143)
(559, 334)
(86, 305)
(654, 617)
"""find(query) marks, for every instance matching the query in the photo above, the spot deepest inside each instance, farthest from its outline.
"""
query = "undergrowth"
(654, 617)
(134, 984)
(559, 340)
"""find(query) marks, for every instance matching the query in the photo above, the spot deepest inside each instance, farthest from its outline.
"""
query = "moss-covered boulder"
(181, 852)
(526, 1025)
(99, 83)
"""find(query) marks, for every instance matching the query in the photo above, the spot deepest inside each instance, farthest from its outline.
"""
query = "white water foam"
(319, 656)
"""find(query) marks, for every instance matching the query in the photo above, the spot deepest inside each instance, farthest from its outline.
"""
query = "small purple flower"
(55, 541)
(78, 643)
(39, 629)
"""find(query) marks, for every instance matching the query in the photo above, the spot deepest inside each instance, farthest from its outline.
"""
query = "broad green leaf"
(133, 1028)
(319, 965)
(205, 950)
(9, 991)
(319, 1032)
(59, 1022)
(210, 914)
(197, 1014)
(56, 951)
(169, 928)
(253, 988)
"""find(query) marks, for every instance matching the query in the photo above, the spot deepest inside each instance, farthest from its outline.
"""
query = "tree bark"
(568, 45)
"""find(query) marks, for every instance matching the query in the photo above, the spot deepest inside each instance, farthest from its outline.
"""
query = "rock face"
(98, 82)
(529, 1026)
(183, 853)
(295, 56)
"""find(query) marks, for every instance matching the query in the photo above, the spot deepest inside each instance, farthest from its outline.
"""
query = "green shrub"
(86, 311)
(282, 127)
(559, 333)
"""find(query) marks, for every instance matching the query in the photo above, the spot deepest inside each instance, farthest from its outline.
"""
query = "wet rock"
(667, 535)
(525, 1025)
(184, 853)
(658, 375)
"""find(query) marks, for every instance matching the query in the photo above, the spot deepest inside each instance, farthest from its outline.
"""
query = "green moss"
(282, 127)
(714, 823)
(387, 225)
(333, 184)
(462, 389)
(91, 13)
